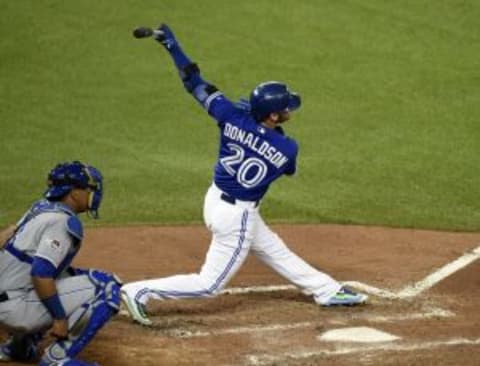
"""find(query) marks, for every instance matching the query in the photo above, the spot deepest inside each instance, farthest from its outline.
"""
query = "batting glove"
(166, 38)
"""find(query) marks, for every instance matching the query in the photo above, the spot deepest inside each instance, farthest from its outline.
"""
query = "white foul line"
(440, 274)
(409, 291)
(371, 290)
(257, 360)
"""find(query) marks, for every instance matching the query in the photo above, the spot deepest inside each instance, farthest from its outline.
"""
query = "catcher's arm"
(6, 234)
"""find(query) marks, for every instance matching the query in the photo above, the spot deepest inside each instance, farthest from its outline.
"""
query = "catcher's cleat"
(346, 297)
(5, 354)
(11, 351)
(135, 309)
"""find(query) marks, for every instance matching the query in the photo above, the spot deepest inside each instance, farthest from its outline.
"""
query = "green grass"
(389, 130)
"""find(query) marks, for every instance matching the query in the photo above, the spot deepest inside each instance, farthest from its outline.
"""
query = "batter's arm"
(291, 168)
(204, 92)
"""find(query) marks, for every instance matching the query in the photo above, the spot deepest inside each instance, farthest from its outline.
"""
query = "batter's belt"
(225, 197)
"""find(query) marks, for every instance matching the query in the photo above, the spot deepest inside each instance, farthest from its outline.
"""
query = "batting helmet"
(67, 176)
(272, 97)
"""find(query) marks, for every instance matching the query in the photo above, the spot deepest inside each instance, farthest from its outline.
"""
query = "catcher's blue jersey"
(251, 156)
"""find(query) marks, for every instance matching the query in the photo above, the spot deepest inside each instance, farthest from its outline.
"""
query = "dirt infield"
(437, 326)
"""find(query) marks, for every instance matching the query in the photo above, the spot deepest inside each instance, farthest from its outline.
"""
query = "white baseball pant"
(237, 228)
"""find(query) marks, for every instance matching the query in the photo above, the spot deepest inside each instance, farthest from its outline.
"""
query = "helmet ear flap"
(295, 102)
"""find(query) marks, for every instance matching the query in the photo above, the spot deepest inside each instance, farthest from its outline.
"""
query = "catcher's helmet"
(66, 176)
(272, 97)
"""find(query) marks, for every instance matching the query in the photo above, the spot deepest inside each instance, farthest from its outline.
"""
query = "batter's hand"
(167, 38)
(59, 329)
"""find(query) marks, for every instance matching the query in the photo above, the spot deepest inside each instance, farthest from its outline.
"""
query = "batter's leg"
(231, 240)
(271, 250)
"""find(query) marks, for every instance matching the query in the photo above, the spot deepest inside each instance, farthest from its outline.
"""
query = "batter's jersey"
(251, 156)
(45, 231)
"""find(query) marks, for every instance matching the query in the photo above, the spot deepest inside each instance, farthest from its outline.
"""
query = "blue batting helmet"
(67, 176)
(272, 97)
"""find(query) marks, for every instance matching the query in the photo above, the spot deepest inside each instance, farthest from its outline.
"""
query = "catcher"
(39, 289)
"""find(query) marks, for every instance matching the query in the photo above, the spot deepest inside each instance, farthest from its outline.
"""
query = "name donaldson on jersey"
(255, 143)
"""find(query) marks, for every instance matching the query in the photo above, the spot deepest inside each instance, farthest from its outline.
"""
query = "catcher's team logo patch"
(54, 244)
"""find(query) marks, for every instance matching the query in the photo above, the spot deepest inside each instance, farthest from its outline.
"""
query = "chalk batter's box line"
(408, 291)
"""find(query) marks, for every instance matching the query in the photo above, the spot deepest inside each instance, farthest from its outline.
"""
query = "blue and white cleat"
(136, 310)
(346, 297)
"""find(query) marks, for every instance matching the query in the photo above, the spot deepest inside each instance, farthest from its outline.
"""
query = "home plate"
(357, 334)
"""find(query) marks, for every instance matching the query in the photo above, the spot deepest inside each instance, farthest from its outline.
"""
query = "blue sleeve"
(220, 107)
(43, 268)
(205, 93)
(291, 168)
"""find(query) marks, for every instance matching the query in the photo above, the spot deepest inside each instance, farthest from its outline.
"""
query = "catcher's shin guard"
(86, 321)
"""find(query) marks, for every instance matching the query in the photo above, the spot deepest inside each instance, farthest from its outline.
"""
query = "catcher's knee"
(107, 287)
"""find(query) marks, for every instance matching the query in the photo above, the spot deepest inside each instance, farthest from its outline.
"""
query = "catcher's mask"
(272, 97)
(67, 176)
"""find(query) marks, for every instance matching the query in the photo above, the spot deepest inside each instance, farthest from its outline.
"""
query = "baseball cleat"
(5, 354)
(136, 310)
(346, 297)
(8, 353)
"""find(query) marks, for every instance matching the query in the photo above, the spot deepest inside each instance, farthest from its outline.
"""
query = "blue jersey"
(251, 156)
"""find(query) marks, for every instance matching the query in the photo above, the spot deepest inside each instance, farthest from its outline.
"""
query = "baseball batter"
(39, 289)
(254, 152)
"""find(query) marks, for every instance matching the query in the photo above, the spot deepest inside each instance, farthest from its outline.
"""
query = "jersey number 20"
(242, 171)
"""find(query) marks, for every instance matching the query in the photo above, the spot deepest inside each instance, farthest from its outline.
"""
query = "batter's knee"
(212, 288)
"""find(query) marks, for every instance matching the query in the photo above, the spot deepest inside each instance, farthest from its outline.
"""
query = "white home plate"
(357, 334)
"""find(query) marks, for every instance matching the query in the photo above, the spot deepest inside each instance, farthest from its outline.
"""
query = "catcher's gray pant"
(24, 313)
